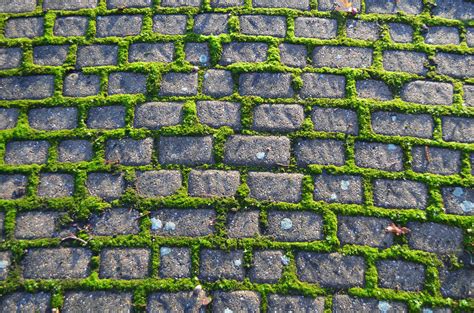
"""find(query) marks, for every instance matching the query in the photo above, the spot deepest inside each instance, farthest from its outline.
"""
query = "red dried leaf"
(345, 6)
(397, 230)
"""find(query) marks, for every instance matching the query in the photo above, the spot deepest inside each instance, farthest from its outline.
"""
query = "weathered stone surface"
(117, 221)
(399, 32)
(436, 160)
(468, 95)
(323, 86)
(457, 284)
(211, 23)
(81, 85)
(12, 186)
(176, 301)
(338, 188)
(436, 238)
(175, 262)
(219, 113)
(106, 117)
(56, 118)
(119, 25)
(69, 4)
(388, 157)
(263, 25)
(74, 151)
(97, 55)
(294, 226)
(315, 27)
(236, 301)
(335, 120)
(297, 304)
(267, 266)
(328, 5)
(26, 302)
(197, 53)
(173, 24)
(389, 7)
(442, 35)
(218, 83)
(56, 263)
(26, 87)
(213, 183)
(426, 92)
(357, 29)
(179, 84)
(470, 36)
(399, 124)
(226, 3)
(151, 52)
(33, 225)
(275, 187)
(456, 65)
(96, 301)
(28, 27)
(373, 89)
(128, 151)
(291, 4)
(10, 58)
(293, 55)
(278, 117)
(341, 56)
(126, 82)
(405, 61)
(402, 194)
(393, 274)
(243, 52)
(183, 222)
(120, 4)
(459, 129)
(124, 263)
(17, 6)
(458, 200)
(50, 55)
(8, 118)
(6, 261)
(218, 264)
(68, 26)
(266, 85)
(181, 3)
(319, 151)
(345, 303)
(454, 9)
(185, 150)
(367, 231)
(331, 270)
(107, 186)
(155, 115)
(26, 152)
(54, 185)
(158, 183)
(243, 224)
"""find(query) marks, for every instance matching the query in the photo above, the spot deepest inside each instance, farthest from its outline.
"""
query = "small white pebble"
(384, 306)
(394, 118)
(156, 223)
(333, 196)
(261, 155)
(169, 226)
(345, 184)
(458, 192)
(391, 147)
(165, 251)
(227, 310)
(285, 260)
(238, 262)
(3, 264)
(467, 206)
(184, 89)
(203, 58)
(286, 224)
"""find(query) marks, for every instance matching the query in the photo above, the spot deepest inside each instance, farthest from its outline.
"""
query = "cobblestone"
(278, 303)
(119, 4)
(436, 238)
(116, 221)
(24, 27)
(218, 264)
(185, 150)
(454, 64)
(10, 58)
(263, 25)
(399, 32)
(219, 113)
(26, 152)
(33, 225)
(458, 200)
(236, 301)
(53, 118)
(435, 160)
(74, 151)
(26, 302)
(335, 120)
(399, 124)
(93, 301)
(278, 117)
(338, 188)
(468, 95)
(340, 56)
(124, 263)
(69, 4)
(409, 7)
(158, 183)
(226, 3)
(362, 30)
(125, 82)
(68, 26)
(56, 185)
(345, 303)
(458, 129)
(405, 61)
(211, 24)
(294, 226)
(401, 194)
(218, 83)
(155, 115)
(243, 224)
(320, 151)
(388, 157)
(26, 87)
(373, 89)
(315, 27)
(359, 230)
(50, 55)
(8, 118)
(392, 274)
(151, 52)
(18, 6)
(106, 117)
(293, 55)
(267, 266)
(119, 25)
(457, 284)
(107, 186)
(128, 151)
(81, 85)
(179, 84)
(175, 262)
(275, 187)
(426, 92)
(323, 86)
(13, 186)
(173, 24)
(441, 35)
(266, 85)
(197, 53)
(184, 222)
(213, 183)
(243, 52)
(96, 55)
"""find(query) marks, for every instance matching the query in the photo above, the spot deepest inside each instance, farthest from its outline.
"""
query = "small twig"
(427, 154)
(74, 237)
(142, 216)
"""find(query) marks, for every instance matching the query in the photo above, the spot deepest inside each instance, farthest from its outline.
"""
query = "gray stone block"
(175, 301)
(340, 57)
(358, 29)
(335, 120)
(121, 4)
(366, 231)
(459, 129)
(81, 85)
(175, 262)
(405, 61)
(275, 187)
(172, 24)
(128, 151)
(218, 83)
(155, 115)
(97, 55)
(454, 64)
(26, 302)
(373, 89)
(315, 27)
(243, 224)
(338, 188)
(219, 264)
(6, 261)
(26, 152)
(74, 151)
(197, 53)
(158, 183)
(427, 92)
(183, 222)
(36, 224)
(17, 6)
(266, 85)
(320, 151)
(8, 118)
(179, 84)
(186, 150)
(435, 238)
(263, 25)
(226, 3)
(345, 303)
(389, 7)
(468, 95)
(213, 183)
(53, 185)
(119, 25)
(442, 35)
(454, 9)
(106, 117)
(151, 52)
(10, 58)
(211, 23)
(401, 33)
(26, 87)
(291, 226)
(56, 118)
(50, 55)
(105, 185)
(68, 26)
(278, 117)
(323, 86)
(297, 304)
(235, 52)
(401, 194)
(387, 157)
(116, 221)
(293, 55)
(69, 4)
(458, 200)
(328, 5)
(181, 3)
(457, 284)
(393, 274)
(285, 4)
(219, 113)
(236, 301)
(399, 124)
(27, 27)
(436, 160)
(12, 186)
(126, 83)
(124, 263)
(96, 301)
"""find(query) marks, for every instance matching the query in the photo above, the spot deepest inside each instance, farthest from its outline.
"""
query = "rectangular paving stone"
(6, 261)
(315, 27)
(97, 55)
(17, 6)
(106, 117)
(218, 83)
(442, 35)
(267, 151)
(236, 301)
(319, 151)
(345, 303)
(266, 85)
(458, 200)
(120, 4)
(158, 183)
(197, 53)
(128, 151)
(124, 263)
(373, 89)
(435, 238)
(456, 65)
(115, 221)
(183, 222)
(34, 225)
(28, 302)
(107, 186)
(427, 92)
(400, 124)
(405, 61)
(164, 302)
(119, 25)
(294, 303)
(151, 52)
(53, 118)
(8, 118)
(468, 95)
(457, 283)
(357, 29)
(181, 3)
(68, 26)
(219, 264)
(335, 120)
(24, 27)
(388, 157)
(290, 4)
(267, 266)
(56, 185)
(459, 129)
(338, 188)
(275, 187)
(179, 84)
(81, 85)
(12, 186)
(50, 55)
(293, 55)
(26, 152)
(96, 301)
(69, 4)
(155, 115)
(175, 262)
(331, 270)
(56, 263)
(226, 3)
(366, 231)
(26, 87)
(235, 52)
(10, 58)
(243, 224)
(278, 117)
(213, 183)
(340, 57)
(401, 194)
(211, 23)
(126, 83)
(436, 160)
(263, 25)
(393, 274)
(301, 226)
(171, 24)
(186, 150)
(409, 7)
(219, 113)
(400, 32)
(323, 86)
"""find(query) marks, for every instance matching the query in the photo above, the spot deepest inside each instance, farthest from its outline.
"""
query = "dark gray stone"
(74, 151)
(392, 7)
(454, 9)
(323, 86)
(119, 25)
(290, 4)
(175, 262)
(218, 264)
(183, 222)
(10, 58)
(459, 129)
(17, 6)
(185, 150)
(181, 3)
(23, 302)
(155, 115)
(176, 301)
(243, 224)
(128, 151)
(267, 151)
(442, 35)
(28, 27)
(121, 4)
(26, 152)
(388, 157)
(340, 56)
(158, 183)
(458, 200)
(172, 24)
(34, 225)
(263, 25)
(56, 118)
(67, 26)
(218, 83)
(399, 124)
(107, 186)
(470, 36)
(26, 87)
(401, 33)
(12, 186)
(315, 27)
(468, 95)
(373, 89)
(293, 55)
(106, 117)
(456, 65)
(226, 3)
(366, 231)
(56, 263)
(338, 188)
(457, 284)
(393, 274)
(124, 263)
(197, 53)
(345, 303)
(331, 270)
(235, 52)
(358, 29)
(427, 92)
(401, 194)
(53, 185)
(295, 304)
(97, 55)
(436, 160)
(120, 221)
(151, 52)
(405, 61)
(300, 226)
(179, 84)
(219, 113)
(81, 85)
(8, 118)
(97, 301)
(50, 55)
(236, 301)
(213, 183)
(126, 83)
(6, 261)
(335, 120)
(278, 117)
(275, 187)
(436, 238)
(69, 4)
(328, 5)
(211, 23)
(266, 85)
(320, 151)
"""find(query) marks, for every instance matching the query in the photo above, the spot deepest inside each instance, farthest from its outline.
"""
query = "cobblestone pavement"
(260, 149)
